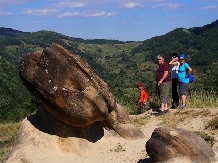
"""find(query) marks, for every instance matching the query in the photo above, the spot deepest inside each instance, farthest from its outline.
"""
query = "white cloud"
(110, 14)
(95, 14)
(131, 5)
(168, 6)
(87, 14)
(42, 12)
(69, 4)
(69, 14)
(6, 13)
(214, 7)
(5, 3)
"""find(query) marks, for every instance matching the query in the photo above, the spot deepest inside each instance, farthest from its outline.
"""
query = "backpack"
(191, 78)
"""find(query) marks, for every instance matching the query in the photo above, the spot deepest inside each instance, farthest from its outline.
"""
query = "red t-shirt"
(160, 71)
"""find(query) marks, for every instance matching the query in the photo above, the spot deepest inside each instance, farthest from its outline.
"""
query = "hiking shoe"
(166, 111)
(183, 106)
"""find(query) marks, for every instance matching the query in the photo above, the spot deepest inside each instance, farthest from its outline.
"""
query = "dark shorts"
(182, 88)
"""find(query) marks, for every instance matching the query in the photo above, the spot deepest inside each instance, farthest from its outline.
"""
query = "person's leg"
(161, 96)
(183, 99)
(173, 92)
(176, 93)
(164, 95)
(175, 97)
(182, 92)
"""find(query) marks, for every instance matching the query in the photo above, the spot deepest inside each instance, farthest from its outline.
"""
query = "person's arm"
(189, 71)
(173, 62)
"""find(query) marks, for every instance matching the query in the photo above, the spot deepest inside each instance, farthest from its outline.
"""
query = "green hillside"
(15, 101)
(199, 44)
(121, 64)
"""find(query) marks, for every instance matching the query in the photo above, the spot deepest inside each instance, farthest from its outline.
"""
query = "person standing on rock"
(174, 79)
(162, 83)
(143, 98)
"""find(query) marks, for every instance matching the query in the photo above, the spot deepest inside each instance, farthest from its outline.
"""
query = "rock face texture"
(168, 145)
(72, 92)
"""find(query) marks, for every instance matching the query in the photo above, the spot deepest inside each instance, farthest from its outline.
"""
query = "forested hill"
(11, 33)
(199, 44)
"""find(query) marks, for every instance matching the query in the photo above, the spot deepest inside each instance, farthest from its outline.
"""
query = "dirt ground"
(114, 149)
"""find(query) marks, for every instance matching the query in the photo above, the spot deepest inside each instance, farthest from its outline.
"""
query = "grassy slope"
(117, 58)
(8, 134)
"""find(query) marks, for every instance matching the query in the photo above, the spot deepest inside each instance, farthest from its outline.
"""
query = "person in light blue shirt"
(183, 73)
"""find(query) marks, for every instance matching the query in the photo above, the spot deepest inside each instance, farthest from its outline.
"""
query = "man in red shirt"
(162, 83)
(143, 98)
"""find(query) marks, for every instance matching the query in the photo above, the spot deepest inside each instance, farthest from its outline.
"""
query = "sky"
(124, 20)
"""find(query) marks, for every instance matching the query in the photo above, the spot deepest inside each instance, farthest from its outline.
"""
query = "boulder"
(67, 86)
(72, 92)
(168, 145)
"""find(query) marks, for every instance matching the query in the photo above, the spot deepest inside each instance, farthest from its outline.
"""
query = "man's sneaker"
(183, 106)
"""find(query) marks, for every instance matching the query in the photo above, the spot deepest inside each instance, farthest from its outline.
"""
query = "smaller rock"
(168, 145)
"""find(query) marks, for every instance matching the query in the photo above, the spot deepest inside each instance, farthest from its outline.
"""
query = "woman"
(183, 73)
(174, 79)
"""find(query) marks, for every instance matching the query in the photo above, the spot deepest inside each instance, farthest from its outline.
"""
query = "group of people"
(178, 76)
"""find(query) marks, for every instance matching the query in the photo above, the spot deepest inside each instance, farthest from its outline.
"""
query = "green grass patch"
(206, 137)
(8, 133)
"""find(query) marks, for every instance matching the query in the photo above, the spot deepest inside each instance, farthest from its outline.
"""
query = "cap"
(139, 85)
(182, 56)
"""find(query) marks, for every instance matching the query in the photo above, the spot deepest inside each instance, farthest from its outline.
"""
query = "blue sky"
(124, 20)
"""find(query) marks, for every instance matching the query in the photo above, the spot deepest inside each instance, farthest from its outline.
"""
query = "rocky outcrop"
(67, 86)
(168, 145)
(44, 139)
(72, 92)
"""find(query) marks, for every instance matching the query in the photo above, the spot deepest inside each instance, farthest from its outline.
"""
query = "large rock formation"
(44, 139)
(71, 91)
(168, 145)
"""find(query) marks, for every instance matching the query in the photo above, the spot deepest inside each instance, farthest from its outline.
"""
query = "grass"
(119, 148)
(213, 123)
(202, 99)
(8, 133)
(129, 96)
(206, 137)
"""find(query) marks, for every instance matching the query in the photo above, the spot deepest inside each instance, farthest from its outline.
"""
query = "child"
(143, 98)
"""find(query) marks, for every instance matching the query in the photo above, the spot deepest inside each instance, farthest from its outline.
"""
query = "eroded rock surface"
(67, 86)
(72, 92)
(168, 145)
